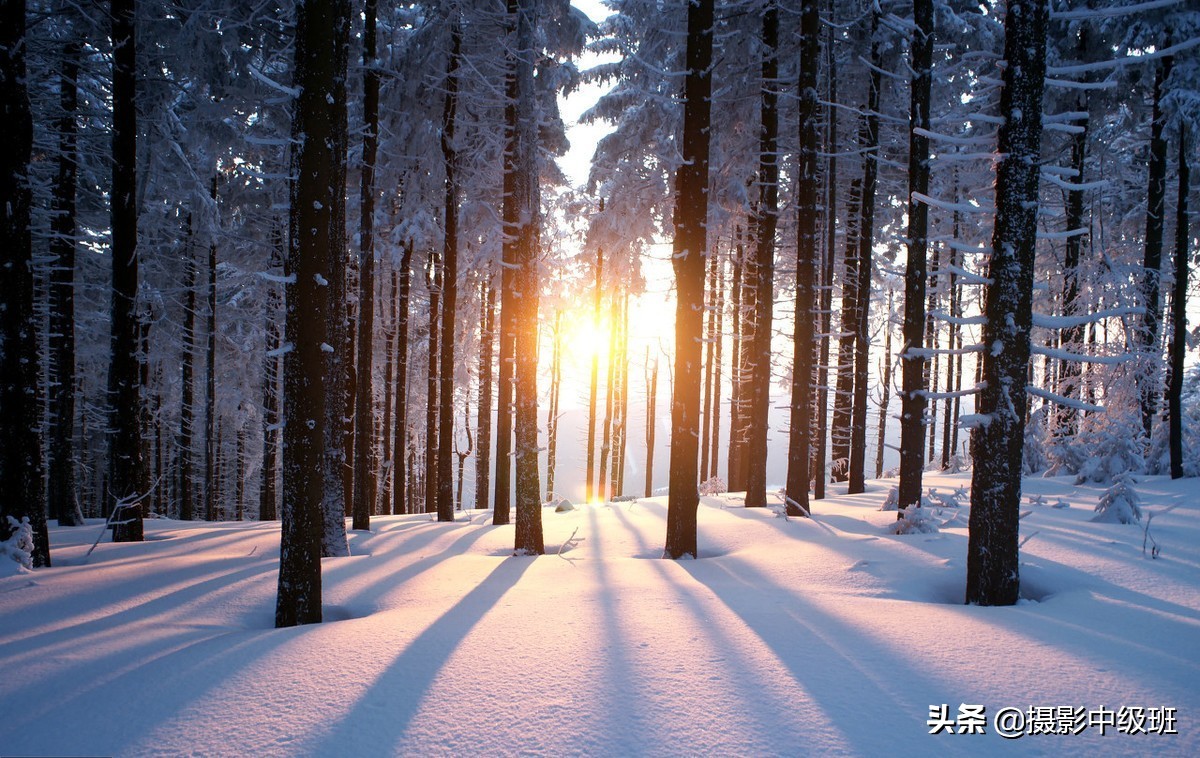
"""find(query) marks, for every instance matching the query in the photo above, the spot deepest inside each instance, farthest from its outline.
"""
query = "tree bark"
(1179, 310)
(187, 404)
(487, 339)
(992, 549)
(433, 280)
(651, 398)
(445, 485)
(61, 488)
(552, 413)
(528, 538)
(322, 35)
(210, 371)
(364, 394)
(768, 216)
(268, 494)
(690, 245)
(912, 394)
(401, 481)
(20, 443)
(807, 201)
(589, 487)
(1156, 191)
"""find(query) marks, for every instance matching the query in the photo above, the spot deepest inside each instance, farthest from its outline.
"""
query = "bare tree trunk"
(61, 493)
(690, 221)
(187, 403)
(734, 458)
(388, 315)
(912, 395)
(931, 341)
(799, 453)
(552, 414)
(862, 283)
(20, 443)
(1152, 264)
(710, 325)
(365, 483)
(619, 452)
(768, 216)
(463, 455)
(589, 491)
(1179, 310)
(885, 388)
(820, 451)
(433, 279)
(321, 52)
(210, 368)
(651, 398)
(400, 502)
(487, 341)
(992, 549)
(445, 494)
(268, 493)
(528, 538)
(716, 403)
(602, 483)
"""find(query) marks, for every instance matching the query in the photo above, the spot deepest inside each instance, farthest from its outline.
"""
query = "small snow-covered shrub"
(1034, 457)
(559, 504)
(956, 499)
(892, 501)
(16, 552)
(916, 520)
(956, 464)
(714, 485)
(1119, 503)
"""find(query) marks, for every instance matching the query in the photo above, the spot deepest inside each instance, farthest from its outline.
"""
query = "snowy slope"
(788, 637)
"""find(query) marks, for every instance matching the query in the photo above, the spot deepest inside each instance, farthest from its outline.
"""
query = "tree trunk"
(651, 398)
(885, 389)
(710, 325)
(433, 281)
(62, 495)
(690, 245)
(992, 549)
(210, 369)
(501, 503)
(401, 481)
(20, 443)
(364, 393)
(268, 494)
(388, 307)
(716, 402)
(821, 449)
(623, 411)
(862, 284)
(734, 469)
(1179, 310)
(552, 414)
(807, 201)
(589, 486)
(445, 491)
(187, 403)
(768, 216)
(322, 36)
(602, 483)
(487, 340)
(128, 467)
(1152, 264)
(912, 394)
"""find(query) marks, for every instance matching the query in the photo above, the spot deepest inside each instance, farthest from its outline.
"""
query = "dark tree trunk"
(528, 490)
(1070, 371)
(807, 201)
(211, 487)
(992, 550)
(768, 216)
(651, 399)
(690, 246)
(268, 493)
(862, 283)
(364, 393)
(931, 342)
(387, 313)
(589, 486)
(400, 486)
(710, 326)
(445, 486)
(1156, 191)
(1179, 311)
(502, 502)
(602, 489)
(716, 401)
(128, 467)
(20, 445)
(821, 448)
(885, 389)
(487, 340)
(552, 413)
(912, 394)
(619, 433)
(61, 495)
(322, 36)
(433, 279)
(735, 471)
(187, 404)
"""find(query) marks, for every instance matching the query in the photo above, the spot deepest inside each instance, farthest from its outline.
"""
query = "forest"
(321, 261)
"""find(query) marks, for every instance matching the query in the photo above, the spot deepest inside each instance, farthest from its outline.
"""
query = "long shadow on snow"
(833, 661)
(402, 687)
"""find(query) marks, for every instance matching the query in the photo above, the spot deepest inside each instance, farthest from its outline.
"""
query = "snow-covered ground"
(788, 637)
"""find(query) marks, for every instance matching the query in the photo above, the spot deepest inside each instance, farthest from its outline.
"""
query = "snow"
(787, 637)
